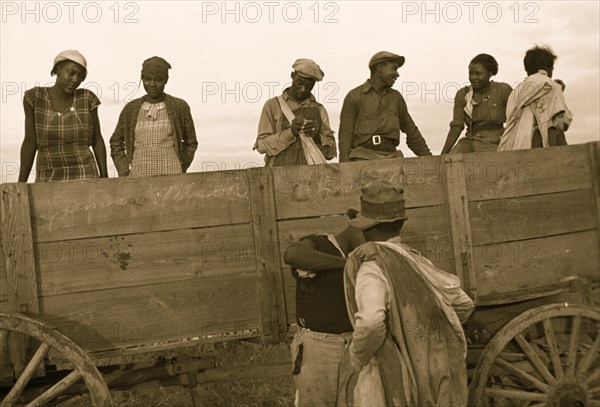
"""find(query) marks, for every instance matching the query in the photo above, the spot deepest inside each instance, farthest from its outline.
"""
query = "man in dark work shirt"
(373, 115)
(324, 328)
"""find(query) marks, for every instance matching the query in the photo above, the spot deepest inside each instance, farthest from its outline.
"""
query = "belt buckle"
(376, 140)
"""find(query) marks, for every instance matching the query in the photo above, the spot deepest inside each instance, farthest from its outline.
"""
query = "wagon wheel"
(51, 338)
(547, 356)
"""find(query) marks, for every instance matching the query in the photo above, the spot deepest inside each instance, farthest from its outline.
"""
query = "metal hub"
(567, 394)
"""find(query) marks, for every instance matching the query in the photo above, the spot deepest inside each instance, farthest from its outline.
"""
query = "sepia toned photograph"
(300, 203)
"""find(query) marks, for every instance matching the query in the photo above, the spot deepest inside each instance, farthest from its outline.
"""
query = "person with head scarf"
(155, 134)
(481, 107)
(61, 124)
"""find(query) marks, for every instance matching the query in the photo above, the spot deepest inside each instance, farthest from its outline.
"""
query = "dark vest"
(320, 301)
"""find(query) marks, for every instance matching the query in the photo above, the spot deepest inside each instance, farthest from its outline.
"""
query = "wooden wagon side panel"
(314, 199)
(124, 263)
(532, 221)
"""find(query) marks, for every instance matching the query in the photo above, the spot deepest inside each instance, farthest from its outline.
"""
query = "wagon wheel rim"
(50, 338)
(553, 369)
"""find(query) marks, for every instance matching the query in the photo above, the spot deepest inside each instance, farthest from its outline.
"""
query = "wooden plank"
(460, 226)
(108, 207)
(594, 157)
(526, 172)
(19, 263)
(157, 313)
(520, 218)
(507, 270)
(331, 189)
(140, 259)
(266, 243)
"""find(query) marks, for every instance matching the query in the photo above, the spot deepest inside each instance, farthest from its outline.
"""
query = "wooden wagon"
(111, 268)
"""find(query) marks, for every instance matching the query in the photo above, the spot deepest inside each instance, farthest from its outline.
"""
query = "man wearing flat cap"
(295, 113)
(373, 115)
(408, 347)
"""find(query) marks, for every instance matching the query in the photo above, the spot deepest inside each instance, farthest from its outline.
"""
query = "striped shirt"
(63, 138)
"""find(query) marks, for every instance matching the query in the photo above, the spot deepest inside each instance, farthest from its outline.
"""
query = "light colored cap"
(70, 55)
(384, 56)
(308, 69)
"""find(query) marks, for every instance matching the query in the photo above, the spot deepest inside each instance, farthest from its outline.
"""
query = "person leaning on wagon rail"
(537, 114)
(481, 107)
(293, 124)
(155, 134)
(61, 123)
(324, 331)
(408, 347)
(373, 115)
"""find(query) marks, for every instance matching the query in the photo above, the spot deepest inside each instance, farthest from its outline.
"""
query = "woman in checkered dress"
(155, 134)
(61, 124)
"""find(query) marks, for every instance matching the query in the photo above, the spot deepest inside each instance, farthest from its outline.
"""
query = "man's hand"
(309, 128)
(296, 126)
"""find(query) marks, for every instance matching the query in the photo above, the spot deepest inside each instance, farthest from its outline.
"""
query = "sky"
(229, 58)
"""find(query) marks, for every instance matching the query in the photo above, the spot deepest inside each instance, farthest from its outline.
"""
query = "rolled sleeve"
(327, 135)
(269, 140)
(372, 299)
(414, 139)
(458, 112)
(347, 123)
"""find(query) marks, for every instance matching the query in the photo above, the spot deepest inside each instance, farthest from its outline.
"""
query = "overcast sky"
(229, 58)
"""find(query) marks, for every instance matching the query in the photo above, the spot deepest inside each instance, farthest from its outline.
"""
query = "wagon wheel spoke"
(559, 348)
(522, 375)
(50, 338)
(26, 375)
(553, 349)
(593, 377)
(573, 345)
(56, 390)
(535, 360)
(515, 394)
(587, 360)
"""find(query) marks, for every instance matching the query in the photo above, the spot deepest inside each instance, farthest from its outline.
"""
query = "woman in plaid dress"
(61, 124)
(155, 134)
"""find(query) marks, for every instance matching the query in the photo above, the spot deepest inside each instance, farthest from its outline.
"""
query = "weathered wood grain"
(18, 264)
(526, 172)
(266, 245)
(460, 225)
(514, 268)
(144, 315)
(108, 207)
(140, 259)
(331, 189)
(521, 218)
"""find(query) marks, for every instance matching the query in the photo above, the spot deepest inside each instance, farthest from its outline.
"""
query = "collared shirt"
(489, 114)
(275, 136)
(366, 113)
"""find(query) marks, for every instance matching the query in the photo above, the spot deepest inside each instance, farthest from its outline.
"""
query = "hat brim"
(362, 222)
(400, 60)
(307, 76)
